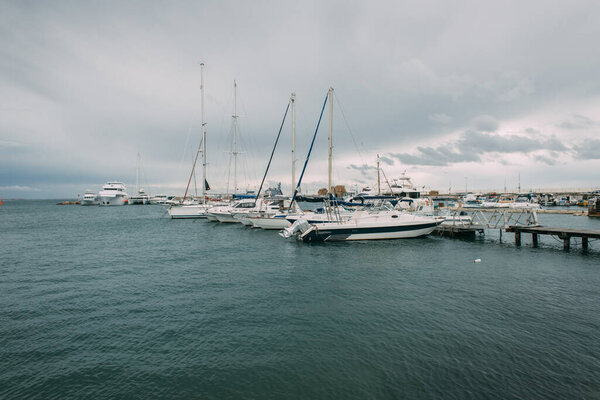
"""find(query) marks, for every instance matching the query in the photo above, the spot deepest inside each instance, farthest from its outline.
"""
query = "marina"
(299, 200)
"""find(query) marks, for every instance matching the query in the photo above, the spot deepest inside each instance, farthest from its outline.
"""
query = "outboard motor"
(299, 227)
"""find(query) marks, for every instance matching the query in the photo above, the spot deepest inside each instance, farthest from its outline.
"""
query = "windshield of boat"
(378, 206)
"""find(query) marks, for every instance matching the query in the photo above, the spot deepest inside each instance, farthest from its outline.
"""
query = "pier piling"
(564, 234)
(566, 243)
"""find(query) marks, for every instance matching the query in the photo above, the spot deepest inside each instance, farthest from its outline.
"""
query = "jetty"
(465, 222)
(562, 233)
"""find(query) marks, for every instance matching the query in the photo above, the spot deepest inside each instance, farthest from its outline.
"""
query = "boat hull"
(187, 212)
(343, 232)
(89, 202)
(227, 218)
(244, 220)
(112, 200)
(139, 200)
(270, 223)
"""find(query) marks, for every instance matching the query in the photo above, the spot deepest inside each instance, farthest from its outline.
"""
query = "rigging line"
(386, 181)
(309, 151)
(193, 168)
(272, 152)
(348, 127)
(187, 140)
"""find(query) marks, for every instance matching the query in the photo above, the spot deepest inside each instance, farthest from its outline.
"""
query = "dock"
(458, 231)
(562, 233)
(470, 222)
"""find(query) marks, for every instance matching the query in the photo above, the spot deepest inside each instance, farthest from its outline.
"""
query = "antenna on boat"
(137, 174)
(203, 135)
(293, 100)
(235, 152)
(330, 95)
(378, 179)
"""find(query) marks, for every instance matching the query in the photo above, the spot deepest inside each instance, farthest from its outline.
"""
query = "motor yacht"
(140, 198)
(113, 194)
(227, 214)
(365, 225)
(89, 199)
(526, 201)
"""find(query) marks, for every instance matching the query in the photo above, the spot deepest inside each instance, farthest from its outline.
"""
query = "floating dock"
(459, 231)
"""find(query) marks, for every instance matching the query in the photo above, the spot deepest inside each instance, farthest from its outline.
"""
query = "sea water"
(124, 303)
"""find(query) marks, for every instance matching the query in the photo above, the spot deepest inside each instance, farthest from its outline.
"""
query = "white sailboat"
(187, 211)
(274, 218)
(140, 196)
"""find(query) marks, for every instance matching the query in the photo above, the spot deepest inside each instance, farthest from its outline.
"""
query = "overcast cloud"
(441, 89)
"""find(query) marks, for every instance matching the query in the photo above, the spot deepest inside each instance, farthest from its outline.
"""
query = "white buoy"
(477, 261)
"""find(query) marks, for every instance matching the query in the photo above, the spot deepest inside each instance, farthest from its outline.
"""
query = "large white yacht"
(113, 194)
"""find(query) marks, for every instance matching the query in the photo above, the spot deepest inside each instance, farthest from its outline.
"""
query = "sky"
(473, 95)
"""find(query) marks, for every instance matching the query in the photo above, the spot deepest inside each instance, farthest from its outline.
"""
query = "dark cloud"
(386, 160)
(439, 156)
(588, 149)
(488, 143)
(579, 122)
(471, 146)
(545, 159)
(364, 169)
(485, 123)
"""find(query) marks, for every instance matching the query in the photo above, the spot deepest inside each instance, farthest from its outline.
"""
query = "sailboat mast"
(293, 140)
(203, 135)
(235, 152)
(378, 179)
(330, 133)
(137, 174)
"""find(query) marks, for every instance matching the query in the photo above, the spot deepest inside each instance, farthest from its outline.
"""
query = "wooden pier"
(562, 233)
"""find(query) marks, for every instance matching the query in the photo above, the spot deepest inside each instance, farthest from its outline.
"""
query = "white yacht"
(161, 199)
(113, 194)
(364, 225)
(89, 199)
(228, 214)
(526, 201)
(188, 211)
(140, 198)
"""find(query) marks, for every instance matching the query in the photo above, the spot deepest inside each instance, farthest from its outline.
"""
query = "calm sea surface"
(121, 303)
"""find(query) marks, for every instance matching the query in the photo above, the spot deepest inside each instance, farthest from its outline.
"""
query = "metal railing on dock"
(467, 222)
